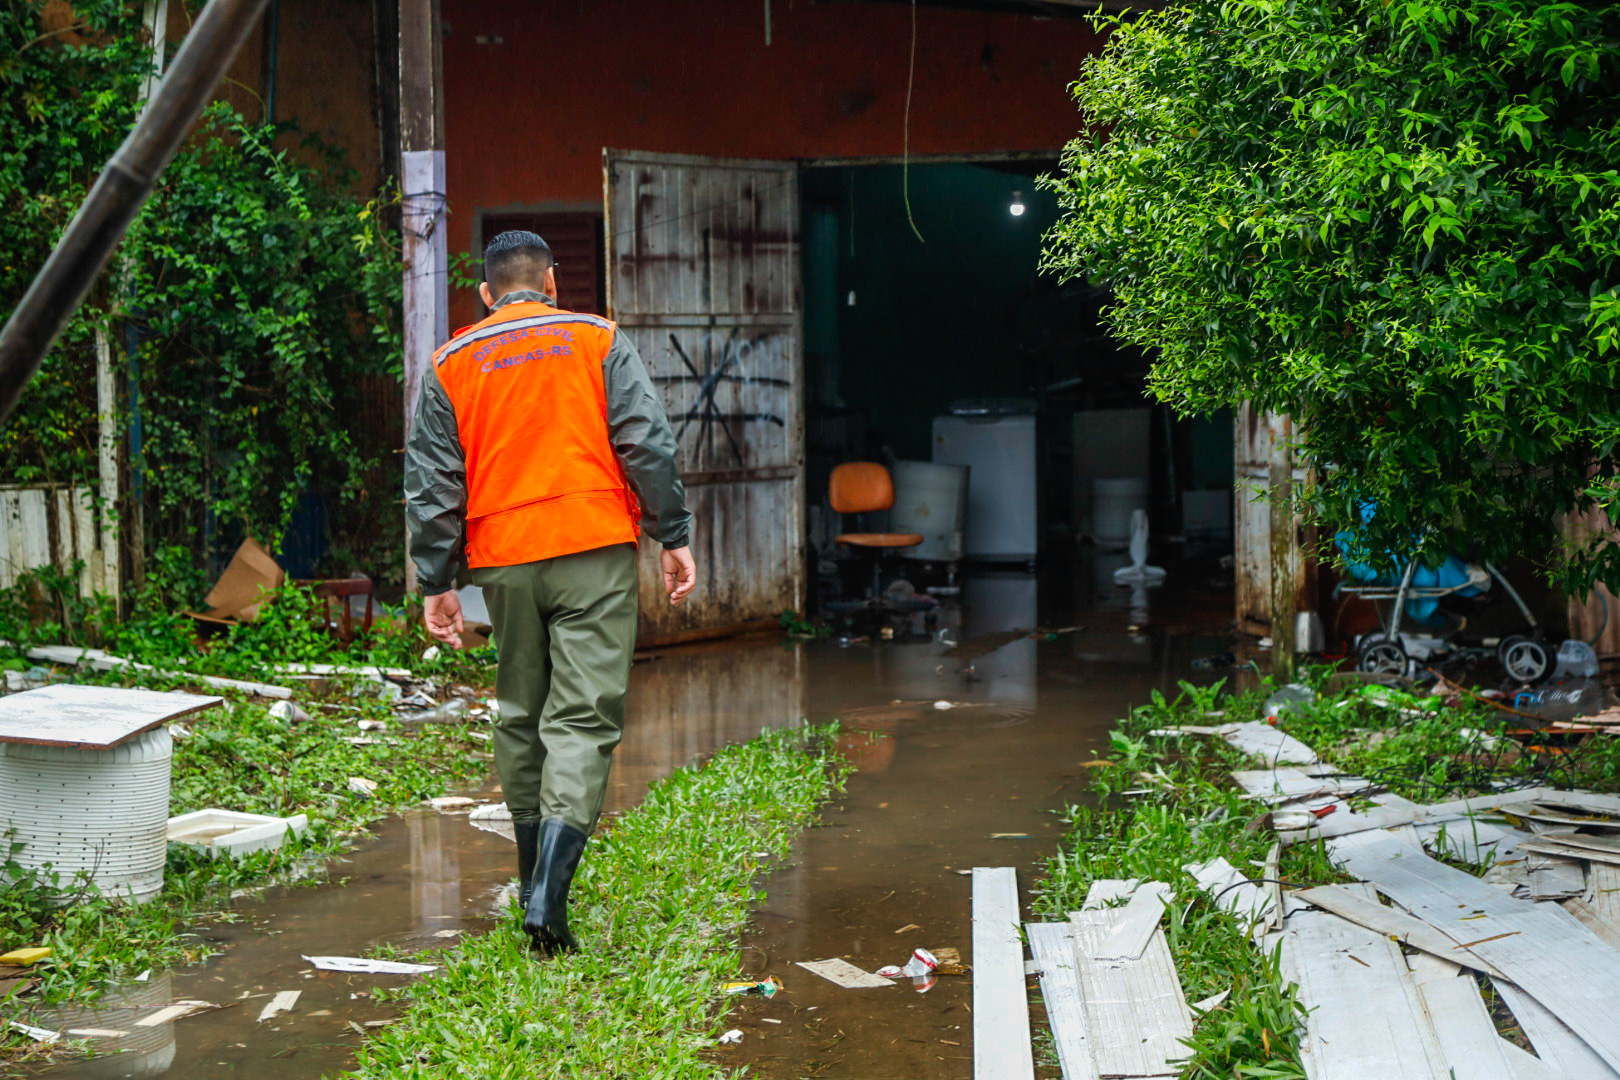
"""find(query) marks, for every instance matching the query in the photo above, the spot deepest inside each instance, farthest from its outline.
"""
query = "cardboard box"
(239, 593)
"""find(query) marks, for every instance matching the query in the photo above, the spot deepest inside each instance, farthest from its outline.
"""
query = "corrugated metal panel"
(48, 526)
(703, 273)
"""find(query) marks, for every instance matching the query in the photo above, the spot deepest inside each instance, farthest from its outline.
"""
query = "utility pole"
(120, 191)
(422, 187)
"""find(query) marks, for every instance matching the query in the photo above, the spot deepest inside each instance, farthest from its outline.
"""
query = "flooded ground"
(942, 791)
(939, 790)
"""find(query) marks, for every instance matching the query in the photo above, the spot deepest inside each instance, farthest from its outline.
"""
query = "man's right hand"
(441, 614)
(680, 573)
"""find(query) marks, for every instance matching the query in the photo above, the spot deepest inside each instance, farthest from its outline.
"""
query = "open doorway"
(927, 319)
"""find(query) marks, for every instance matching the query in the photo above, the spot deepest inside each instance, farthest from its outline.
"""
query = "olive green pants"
(565, 632)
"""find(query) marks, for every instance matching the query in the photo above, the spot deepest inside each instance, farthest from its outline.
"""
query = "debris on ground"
(922, 962)
(361, 786)
(765, 988)
(282, 1002)
(845, 974)
(731, 1038)
(363, 966)
(25, 957)
(38, 1034)
(447, 803)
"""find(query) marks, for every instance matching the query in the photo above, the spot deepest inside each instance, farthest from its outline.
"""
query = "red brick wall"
(534, 91)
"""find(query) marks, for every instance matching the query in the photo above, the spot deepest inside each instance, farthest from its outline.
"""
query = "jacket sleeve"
(435, 489)
(645, 444)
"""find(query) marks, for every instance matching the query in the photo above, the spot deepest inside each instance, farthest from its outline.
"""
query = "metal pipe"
(120, 191)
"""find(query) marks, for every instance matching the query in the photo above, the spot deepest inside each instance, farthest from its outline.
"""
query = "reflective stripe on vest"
(531, 411)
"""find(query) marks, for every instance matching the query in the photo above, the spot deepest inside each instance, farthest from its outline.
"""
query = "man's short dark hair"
(516, 259)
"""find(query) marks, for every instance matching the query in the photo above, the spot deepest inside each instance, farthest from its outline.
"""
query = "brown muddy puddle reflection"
(938, 792)
(419, 881)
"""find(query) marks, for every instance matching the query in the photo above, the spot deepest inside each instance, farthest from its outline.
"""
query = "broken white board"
(1554, 1042)
(1055, 954)
(282, 1002)
(1470, 839)
(1135, 923)
(90, 717)
(362, 966)
(1363, 910)
(168, 1014)
(1555, 878)
(1603, 887)
(1288, 784)
(1565, 967)
(1105, 892)
(1001, 1042)
(1136, 1014)
(1354, 982)
(1271, 745)
(1233, 891)
(845, 974)
(1589, 918)
(1469, 1044)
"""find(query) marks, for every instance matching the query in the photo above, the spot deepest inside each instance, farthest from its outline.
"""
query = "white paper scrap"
(38, 1034)
(844, 974)
(361, 966)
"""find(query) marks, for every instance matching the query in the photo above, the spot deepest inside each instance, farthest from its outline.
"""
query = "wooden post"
(1284, 547)
(422, 187)
(104, 576)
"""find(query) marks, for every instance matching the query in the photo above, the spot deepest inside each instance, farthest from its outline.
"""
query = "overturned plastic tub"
(84, 785)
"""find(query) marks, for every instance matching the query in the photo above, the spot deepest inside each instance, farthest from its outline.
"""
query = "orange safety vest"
(531, 412)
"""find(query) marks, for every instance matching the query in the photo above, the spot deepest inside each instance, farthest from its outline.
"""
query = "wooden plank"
(1390, 922)
(1589, 801)
(1135, 1011)
(1001, 1040)
(1570, 973)
(1555, 845)
(1587, 841)
(1287, 784)
(1135, 923)
(1055, 951)
(1555, 1044)
(1469, 1045)
(90, 717)
(1365, 1019)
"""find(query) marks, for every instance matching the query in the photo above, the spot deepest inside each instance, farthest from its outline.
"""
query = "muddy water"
(935, 788)
(421, 880)
(940, 792)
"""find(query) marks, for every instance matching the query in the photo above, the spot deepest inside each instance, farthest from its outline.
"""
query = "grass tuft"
(657, 907)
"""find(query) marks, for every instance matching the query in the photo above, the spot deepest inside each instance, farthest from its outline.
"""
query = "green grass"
(1193, 813)
(658, 906)
(240, 757)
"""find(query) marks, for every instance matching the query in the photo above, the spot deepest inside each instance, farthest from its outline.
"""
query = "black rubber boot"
(546, 917)
(528, 843)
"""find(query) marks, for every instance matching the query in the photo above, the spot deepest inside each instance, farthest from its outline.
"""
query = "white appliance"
(930, 500)
(1001, 511)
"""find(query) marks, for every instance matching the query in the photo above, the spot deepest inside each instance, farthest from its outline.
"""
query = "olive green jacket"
(436, 468)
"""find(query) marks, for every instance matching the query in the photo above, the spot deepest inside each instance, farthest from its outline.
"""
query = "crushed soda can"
(922, 963)
(766, 988)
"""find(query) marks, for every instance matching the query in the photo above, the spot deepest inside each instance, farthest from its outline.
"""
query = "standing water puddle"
(423, 879)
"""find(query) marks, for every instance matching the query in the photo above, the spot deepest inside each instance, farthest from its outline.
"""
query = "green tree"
(1398, 222)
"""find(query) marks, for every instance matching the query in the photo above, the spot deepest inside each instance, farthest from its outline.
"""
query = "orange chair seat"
(881, 540)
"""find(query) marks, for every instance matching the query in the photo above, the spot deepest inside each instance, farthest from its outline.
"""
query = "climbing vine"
(252, 302)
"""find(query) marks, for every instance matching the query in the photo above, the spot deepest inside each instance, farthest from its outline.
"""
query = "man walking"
(539, 451)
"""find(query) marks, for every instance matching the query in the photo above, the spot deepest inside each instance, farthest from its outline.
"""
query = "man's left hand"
(441, 614)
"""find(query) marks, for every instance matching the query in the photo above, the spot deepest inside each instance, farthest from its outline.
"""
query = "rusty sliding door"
(703, 274)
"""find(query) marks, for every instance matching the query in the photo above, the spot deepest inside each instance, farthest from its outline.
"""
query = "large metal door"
(703, 274)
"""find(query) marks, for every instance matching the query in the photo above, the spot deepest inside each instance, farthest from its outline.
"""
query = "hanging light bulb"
(1017, 207)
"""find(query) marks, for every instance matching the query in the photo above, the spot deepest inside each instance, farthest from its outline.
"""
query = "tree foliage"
(249, 299)
(1398, 222)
